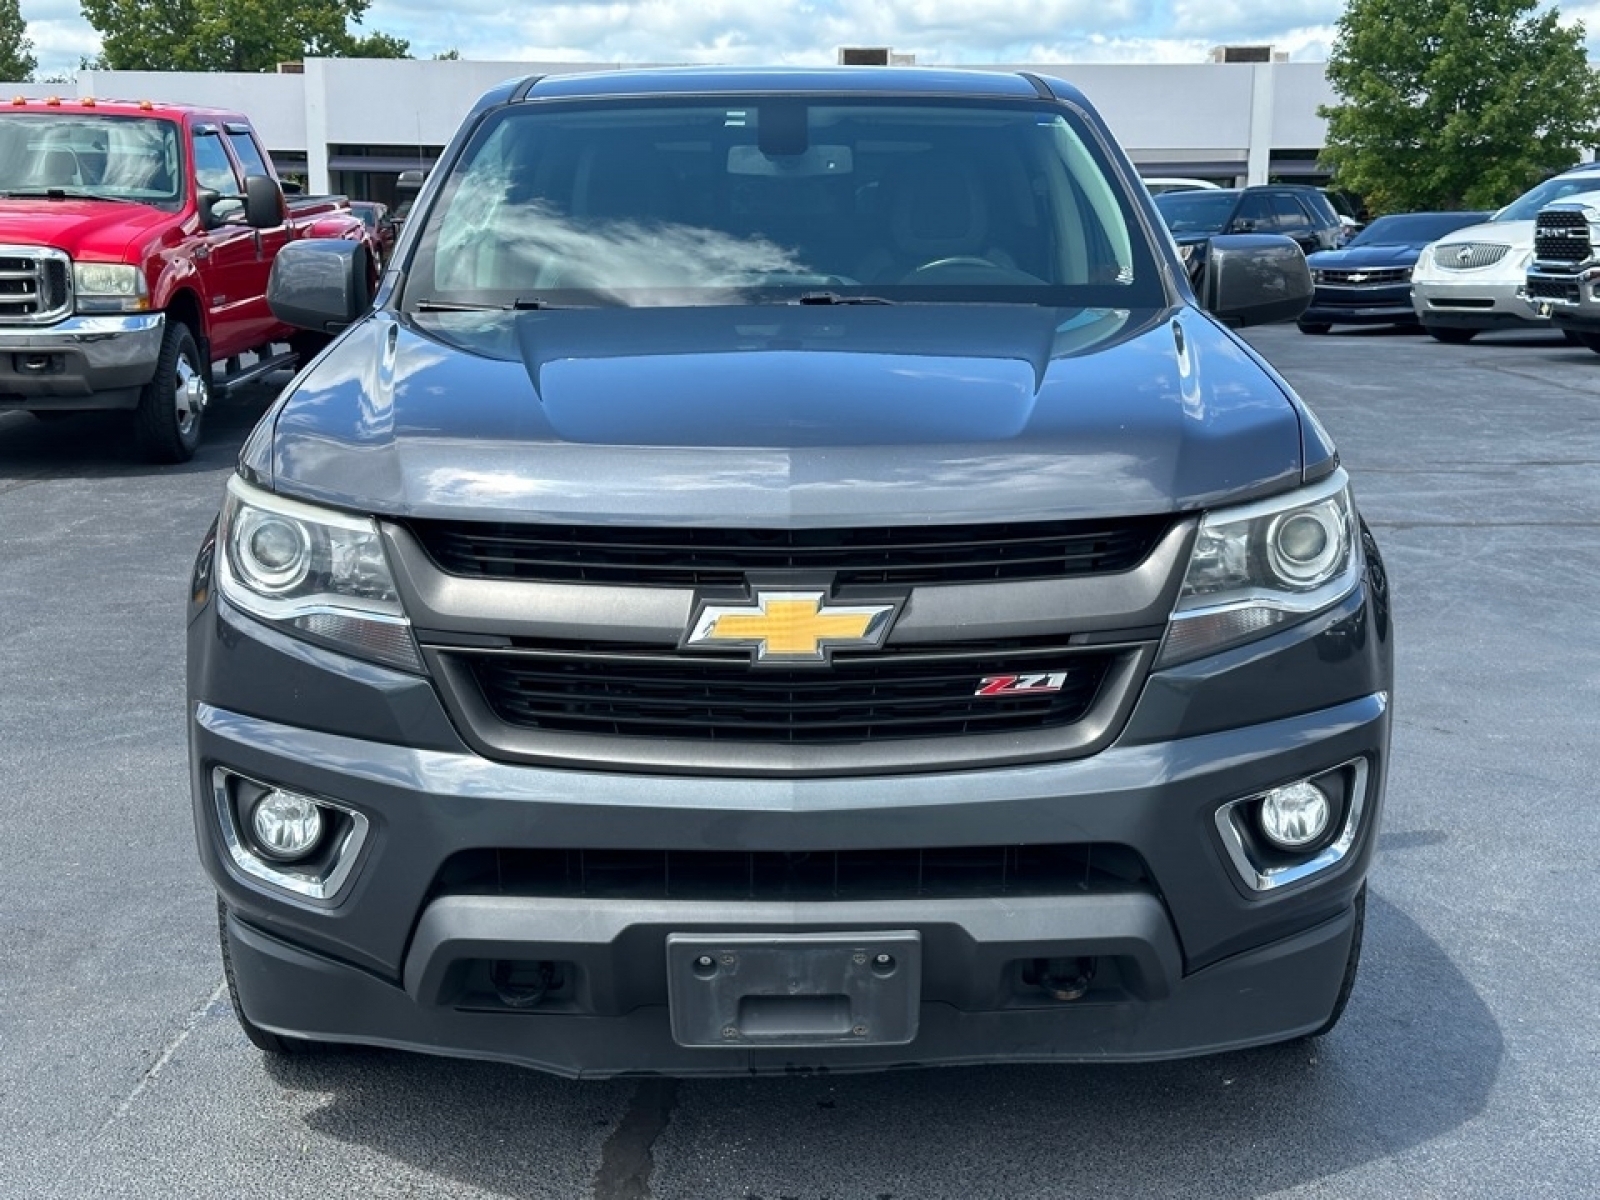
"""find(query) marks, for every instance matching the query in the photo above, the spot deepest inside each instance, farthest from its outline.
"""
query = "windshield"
(723, 201)
(1413, 229)
(1196, 212)
(1526, 207)
(117, 158)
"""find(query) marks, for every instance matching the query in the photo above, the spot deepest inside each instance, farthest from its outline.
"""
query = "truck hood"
(94, 229)
(784, 416)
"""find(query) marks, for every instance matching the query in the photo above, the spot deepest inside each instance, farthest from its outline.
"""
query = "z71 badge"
(1021, 685)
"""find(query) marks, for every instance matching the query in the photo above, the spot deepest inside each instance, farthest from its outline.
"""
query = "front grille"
(1467, 256)
(808, 875)
(1552, 289)
(890, 694)
(1388, 276)
(894, 555)
(35, 285)
(1561, 237)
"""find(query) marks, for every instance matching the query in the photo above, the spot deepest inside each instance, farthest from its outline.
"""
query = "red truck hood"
(88, 229)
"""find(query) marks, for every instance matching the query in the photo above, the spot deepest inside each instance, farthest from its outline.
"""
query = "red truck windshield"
(112, 157)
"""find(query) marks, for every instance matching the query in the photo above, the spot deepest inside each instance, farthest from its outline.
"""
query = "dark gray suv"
(786, 574)
(1302, 214)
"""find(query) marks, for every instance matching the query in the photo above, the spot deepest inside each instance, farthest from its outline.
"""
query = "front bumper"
(1568, 298)
(1365, 306)
(1279, 991)
(1485, 299)
(86, 362)
(1192, 960)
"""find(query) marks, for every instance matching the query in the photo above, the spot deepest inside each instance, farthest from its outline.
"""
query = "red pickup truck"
(135, 243)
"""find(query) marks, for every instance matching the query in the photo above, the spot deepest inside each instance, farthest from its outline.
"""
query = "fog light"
(1295, 816)
(285, 826)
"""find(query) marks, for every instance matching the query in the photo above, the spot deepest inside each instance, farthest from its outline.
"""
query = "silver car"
(1471, 280)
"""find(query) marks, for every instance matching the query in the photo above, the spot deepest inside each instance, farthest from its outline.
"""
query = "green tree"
(16, 49)
(1455, 103)
(230, 35)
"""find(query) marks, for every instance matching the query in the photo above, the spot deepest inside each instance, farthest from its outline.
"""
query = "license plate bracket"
(795, 990)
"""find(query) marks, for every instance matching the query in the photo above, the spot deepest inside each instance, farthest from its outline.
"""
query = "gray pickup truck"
(786, 574)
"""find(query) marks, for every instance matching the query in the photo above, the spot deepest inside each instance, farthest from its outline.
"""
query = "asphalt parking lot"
(1468, 1063)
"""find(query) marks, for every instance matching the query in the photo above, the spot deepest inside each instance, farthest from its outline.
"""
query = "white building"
(352, 125)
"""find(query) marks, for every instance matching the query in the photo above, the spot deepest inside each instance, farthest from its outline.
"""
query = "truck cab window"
(213, 169)
(248, 153)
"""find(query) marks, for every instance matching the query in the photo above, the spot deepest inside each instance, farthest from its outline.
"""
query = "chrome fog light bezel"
(1327, 853)
(323, 878)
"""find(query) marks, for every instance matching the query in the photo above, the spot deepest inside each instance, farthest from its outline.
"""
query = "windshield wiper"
(521, 304)
(64, 194)
(455, 306)
(836, 298)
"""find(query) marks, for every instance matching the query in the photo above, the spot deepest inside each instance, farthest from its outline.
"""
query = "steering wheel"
(959, 260)
(968, 268)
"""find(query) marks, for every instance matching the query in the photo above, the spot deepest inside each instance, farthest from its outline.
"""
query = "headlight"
(1261, 566)
(314, 573)
(109, 287)
(1317, 277)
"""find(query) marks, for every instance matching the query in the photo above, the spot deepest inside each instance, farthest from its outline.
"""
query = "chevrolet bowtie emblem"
(789, 627)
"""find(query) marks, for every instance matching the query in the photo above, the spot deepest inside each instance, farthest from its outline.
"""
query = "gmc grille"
(897, 555)
(35, 285)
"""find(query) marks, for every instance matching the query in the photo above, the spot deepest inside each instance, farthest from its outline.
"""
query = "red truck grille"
(35, 285)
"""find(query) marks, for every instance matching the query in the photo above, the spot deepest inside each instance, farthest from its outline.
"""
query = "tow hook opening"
(1062, 979)
(523, 984)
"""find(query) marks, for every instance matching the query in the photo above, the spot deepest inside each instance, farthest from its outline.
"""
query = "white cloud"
(1252, 20)
(810, 31)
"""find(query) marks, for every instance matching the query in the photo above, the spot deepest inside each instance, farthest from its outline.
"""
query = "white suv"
(1471, 280)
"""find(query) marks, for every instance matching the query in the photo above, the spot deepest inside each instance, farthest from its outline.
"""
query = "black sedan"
(1368, 281)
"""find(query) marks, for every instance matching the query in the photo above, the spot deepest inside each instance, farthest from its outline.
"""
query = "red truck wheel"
(173, 403)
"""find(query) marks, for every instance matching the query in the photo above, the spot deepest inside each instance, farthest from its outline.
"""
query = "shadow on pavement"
(96, 445)
(1415, 1057)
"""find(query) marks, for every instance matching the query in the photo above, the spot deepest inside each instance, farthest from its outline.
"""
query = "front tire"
(264, 1040)
(173, 404)
(1450, 335)
(1591, 340)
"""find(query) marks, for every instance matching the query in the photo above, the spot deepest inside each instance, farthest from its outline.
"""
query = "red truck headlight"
(109, 287)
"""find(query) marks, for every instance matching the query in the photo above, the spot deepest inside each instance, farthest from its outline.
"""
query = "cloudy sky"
(808, 31)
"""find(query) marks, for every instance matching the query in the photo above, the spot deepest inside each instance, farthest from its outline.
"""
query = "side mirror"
(263, 202)
(411, 181)
(322, 283)
(206, 201)
(1255, 279)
